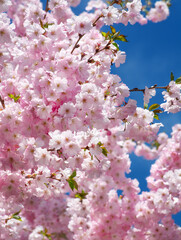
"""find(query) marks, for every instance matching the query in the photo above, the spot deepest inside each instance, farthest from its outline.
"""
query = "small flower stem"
(76, 44)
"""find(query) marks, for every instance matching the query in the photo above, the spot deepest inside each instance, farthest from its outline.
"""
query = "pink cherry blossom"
(159, 13)
(68, 128)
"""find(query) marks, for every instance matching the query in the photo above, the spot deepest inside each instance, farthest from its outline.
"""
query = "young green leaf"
(104, 151)
(178, 80)
(121, 38)
(81, 195)
(156, 117)
(99, 144)
(46, 234)
(115, 44)
(156, 144)
(14, 97)
(106, 93)
(154, 106)
(115, 35)
(145, 106)
(107, 34)
(16, 216)
(171, 76)
(113, 30)
(72, 184)
(103, 34)
(73, 174)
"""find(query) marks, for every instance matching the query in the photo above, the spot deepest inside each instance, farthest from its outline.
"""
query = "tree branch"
(99, 50)
(97, 19)
(46, 9)
(76, 44)
(143, 90)
(2, 102)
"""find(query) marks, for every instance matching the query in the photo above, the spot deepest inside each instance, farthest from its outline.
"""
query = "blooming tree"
(68, 126)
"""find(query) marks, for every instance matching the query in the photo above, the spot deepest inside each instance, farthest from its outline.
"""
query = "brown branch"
(2, 102)
(46, 9)
(51, 149)
(100, 16)
(99, 50)
(76, 44)
(113, 2)
(81, 35)
(97, 19)
(93, 24)
(143, 90)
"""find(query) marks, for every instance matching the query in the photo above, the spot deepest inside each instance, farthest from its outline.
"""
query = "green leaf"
(107, 34)
(81, 195)
(156, 144)
(113, 30)
(115, 35)
(46, 184)
(104, 151)
(103, 34)
(156, 117)
(75, 185)
(99, 144)
(145, 106)
(46, 234)
(154, 106)
(171, 76)
(16, 216)
(47, 24)
(73, 174)
(14, 97)
(178, 80)
(72, 184)
(121, 38)
(107, 93)
(115, 44)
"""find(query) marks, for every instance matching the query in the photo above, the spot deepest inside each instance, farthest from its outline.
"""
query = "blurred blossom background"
(153, 51)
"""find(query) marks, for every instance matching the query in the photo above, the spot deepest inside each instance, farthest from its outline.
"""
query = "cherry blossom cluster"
(68, 127)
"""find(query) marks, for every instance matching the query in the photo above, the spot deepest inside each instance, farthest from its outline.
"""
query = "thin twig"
(2, 102)
(99, 50)
(143, 90)
(76, 44)
(46, 9)
(93, 24)
(97, 19)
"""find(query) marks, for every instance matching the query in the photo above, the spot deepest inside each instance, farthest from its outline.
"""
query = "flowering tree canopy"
(68, 127)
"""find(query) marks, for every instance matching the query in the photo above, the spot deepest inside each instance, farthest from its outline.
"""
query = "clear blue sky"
(153, 52)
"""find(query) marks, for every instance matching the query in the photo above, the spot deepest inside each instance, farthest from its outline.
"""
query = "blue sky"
(153, 52)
